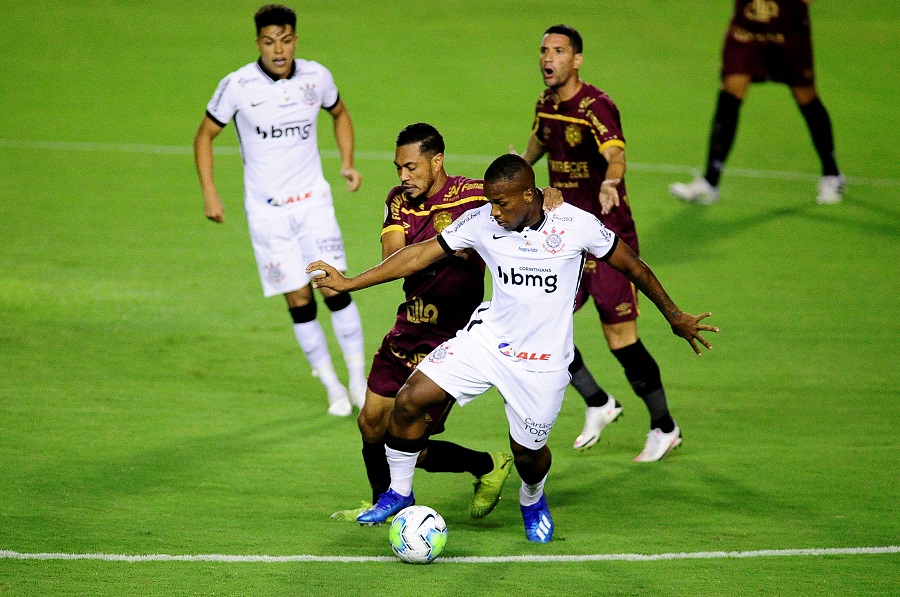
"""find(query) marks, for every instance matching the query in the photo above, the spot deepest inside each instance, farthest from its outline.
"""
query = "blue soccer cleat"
(538, 524)
(389, 503)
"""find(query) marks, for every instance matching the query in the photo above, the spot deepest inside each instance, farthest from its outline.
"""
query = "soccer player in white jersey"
(520, 342)
(275, 103)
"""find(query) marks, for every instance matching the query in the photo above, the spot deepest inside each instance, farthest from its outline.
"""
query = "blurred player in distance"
(274, 103)
(578, 127)
(520, 342)
(766, 40)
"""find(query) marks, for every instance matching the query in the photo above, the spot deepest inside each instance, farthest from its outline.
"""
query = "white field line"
(628, 557)
(385, 156)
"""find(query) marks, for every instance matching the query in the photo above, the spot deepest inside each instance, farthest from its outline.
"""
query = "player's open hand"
(325, 276)
(688, 327)
(354, 178)
(609, 195)
(553, 198)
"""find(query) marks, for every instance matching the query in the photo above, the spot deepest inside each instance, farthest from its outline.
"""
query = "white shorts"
(465, 369)
(284, 246)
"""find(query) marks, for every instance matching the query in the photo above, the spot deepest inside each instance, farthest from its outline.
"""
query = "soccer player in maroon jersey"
(438, 303)
(767, 40)
(578, 127)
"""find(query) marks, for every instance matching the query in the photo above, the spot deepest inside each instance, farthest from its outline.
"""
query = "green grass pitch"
(152, 402)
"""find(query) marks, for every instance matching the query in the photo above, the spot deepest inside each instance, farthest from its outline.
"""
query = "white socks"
(403, 466)
(347, 326)
(530, 494)
(311, 339)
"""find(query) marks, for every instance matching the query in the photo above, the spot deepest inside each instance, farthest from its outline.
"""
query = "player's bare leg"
(311, 338)
(533, 466)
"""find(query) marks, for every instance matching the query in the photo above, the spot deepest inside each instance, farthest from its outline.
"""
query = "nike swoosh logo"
(252, 105)
(501, 236)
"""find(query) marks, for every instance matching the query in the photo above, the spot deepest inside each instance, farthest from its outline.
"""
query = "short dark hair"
(430, 140)
(275, 14)
(508, 166)
(571, 33)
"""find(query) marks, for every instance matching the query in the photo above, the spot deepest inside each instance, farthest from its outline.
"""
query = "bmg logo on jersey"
(532, 277)
(299, 131)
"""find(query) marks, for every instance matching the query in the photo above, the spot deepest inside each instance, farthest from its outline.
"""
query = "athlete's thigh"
(320, 236)
(532, 401)
(461, 367)
(278, 256)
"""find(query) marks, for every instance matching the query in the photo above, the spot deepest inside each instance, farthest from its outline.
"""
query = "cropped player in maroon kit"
(578, 127)
(439, 301)
(767, 40)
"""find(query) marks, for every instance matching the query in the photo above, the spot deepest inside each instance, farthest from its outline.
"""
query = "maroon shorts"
(769, 57)
(613, 293)
(395, 361)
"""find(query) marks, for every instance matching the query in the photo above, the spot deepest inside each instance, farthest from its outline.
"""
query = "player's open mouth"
(280, 61)
(548, 72)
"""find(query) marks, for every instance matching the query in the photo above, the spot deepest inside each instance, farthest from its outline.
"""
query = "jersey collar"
(259, 64)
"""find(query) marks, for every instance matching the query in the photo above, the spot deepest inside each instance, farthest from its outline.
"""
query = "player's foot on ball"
(489, 485)
(538, 523)
(659, 444)
(697, 191)
(596, 418)
(351, 514)
(339, 402)
(831, 189)
(389, 503)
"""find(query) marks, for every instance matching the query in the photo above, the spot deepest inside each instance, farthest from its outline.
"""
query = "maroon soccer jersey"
(439, 300)
(574, 134)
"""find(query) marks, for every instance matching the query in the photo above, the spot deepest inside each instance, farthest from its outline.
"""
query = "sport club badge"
(439, 354)
(553, 241)
(275, 273)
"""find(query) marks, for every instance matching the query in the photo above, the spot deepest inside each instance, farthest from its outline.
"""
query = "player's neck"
(438, 184)
(569, 89)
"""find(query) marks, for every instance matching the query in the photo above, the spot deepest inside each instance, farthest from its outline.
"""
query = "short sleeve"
(223, 104)
(599, 240)
(607, 127)
(330, 95)
(463, 233)
(392, 219)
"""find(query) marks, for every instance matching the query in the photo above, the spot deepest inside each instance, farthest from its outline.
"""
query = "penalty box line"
(627, 557)
(384, 156)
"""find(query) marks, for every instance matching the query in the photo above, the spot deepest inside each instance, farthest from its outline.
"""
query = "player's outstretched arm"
(683, 324)
(609, 192)
(204, 159)
(403, 263)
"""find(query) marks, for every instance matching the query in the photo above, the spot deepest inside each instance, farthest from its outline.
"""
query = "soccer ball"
(418, 534)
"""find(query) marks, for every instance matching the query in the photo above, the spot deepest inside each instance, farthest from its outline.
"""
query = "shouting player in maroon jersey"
(578, 127)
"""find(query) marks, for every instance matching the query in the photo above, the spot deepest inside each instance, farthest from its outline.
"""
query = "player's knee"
(338, 302)
(304, 313)
(373, 419)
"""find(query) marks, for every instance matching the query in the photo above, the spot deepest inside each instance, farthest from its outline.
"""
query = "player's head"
(509, 186)
(561, 55)
(276, 38)
(420, 160)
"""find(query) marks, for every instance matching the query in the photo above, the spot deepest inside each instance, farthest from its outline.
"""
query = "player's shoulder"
(597, 95)
(395, 196)
(245, 75)
(545, 99)
(309, 68)
(463, 187)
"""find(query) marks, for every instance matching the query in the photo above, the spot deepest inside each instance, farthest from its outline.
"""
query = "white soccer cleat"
(358, 397)
(596, 418)
(339, 402)
(697, 191)
(659, 444)
(831, 189)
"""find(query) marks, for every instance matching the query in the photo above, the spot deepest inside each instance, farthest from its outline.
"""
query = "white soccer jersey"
(535, 276)
(276, 127)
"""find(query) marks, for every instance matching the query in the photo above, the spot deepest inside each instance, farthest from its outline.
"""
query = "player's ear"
(579, 58)
(437, 162)
(528, 195)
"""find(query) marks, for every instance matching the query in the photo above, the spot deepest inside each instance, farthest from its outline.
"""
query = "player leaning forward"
(275, 104)
(521, 341)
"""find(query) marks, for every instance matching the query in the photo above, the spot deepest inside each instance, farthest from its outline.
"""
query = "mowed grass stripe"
(380, 156)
